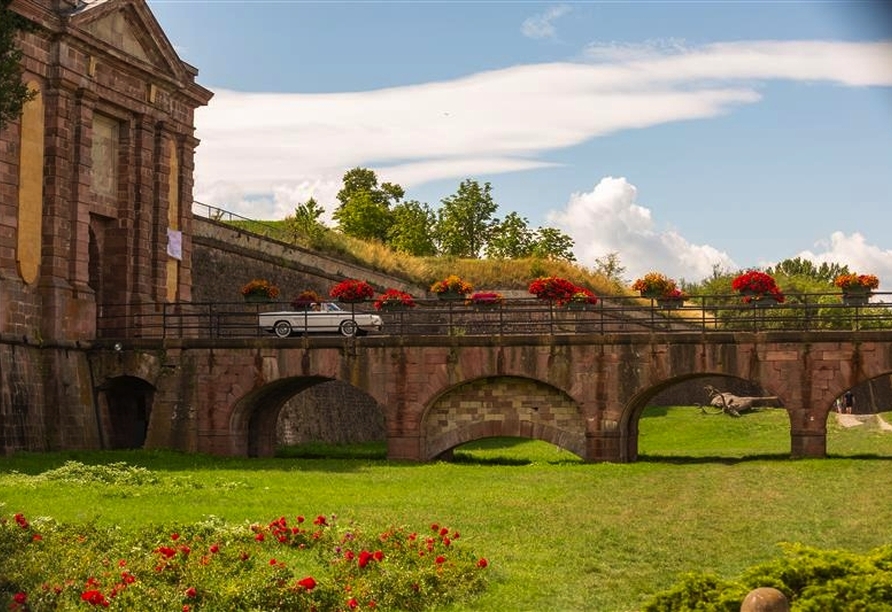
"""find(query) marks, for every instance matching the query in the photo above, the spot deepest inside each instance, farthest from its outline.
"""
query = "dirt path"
(853, 420)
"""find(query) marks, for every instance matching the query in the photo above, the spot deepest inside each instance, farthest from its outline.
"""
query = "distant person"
(839, 405)
(848, 401)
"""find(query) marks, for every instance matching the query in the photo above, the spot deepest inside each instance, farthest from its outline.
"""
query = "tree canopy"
(465, 220)
(13, 92)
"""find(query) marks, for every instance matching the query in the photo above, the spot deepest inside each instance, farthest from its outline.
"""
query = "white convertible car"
(329, 318)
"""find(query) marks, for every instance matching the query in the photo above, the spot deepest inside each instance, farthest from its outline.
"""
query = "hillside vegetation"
(501, 274)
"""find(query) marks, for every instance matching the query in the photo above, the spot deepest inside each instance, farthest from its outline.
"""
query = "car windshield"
(331, 307)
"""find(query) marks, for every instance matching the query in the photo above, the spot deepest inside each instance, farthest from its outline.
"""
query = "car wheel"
(282, 329)
(349, 328)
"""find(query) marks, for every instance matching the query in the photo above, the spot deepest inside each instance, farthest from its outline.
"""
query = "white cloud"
(262, 154)
(542, 26)
(498, 121)
(854, 252)
(608, 219)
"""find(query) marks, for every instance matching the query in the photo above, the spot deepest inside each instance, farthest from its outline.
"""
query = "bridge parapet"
(519, 316)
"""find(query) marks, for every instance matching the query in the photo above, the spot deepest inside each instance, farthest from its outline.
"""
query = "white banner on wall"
(175, 243)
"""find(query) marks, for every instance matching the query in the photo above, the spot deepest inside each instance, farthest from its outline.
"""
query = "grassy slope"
(561, 535)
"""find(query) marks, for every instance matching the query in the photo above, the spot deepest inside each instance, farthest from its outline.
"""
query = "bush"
(813, 580)
(296, 565)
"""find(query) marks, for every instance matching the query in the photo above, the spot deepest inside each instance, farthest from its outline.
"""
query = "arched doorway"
(126, 403)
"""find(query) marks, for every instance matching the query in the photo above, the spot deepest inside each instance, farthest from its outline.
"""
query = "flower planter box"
(450, 295)
(257, 298)
(669, 303)
(856, 296)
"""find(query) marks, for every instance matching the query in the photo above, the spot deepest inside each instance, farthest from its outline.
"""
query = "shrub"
(296, 565)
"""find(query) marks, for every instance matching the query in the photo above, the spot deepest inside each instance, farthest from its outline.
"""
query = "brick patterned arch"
(496, 406)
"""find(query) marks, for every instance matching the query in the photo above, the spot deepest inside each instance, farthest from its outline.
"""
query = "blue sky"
(679, 135)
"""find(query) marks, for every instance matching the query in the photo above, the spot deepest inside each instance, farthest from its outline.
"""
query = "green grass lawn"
(711, 493)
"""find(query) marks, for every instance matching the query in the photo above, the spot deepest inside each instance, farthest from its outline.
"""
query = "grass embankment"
(560, 535)
(484, 274)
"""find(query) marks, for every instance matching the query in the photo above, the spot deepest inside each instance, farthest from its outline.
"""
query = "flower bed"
(554, 289)
(452, 287)
(654, 285)
(295, 565)
(486, 299)
(352, 290)
(394, 299)
(756, 286)
(857, 282)
(305, 299)
(260, 288)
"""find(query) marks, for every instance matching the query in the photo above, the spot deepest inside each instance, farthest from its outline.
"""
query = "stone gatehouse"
(96, 184)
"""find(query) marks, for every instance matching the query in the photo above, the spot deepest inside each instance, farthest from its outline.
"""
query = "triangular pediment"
(128, 28)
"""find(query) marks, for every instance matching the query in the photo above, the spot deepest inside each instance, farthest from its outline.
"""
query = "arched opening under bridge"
(684, 420)
(499, 407)
(865, 427)
(302, 409)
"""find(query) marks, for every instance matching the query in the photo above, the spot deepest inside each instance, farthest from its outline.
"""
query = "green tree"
(510, 239)
(13, 92)
(365, 207)
(465, 221)
(552, 243)
(305, 221)
(824, 273)
(411, 229)
(364, 217)
(610, 267)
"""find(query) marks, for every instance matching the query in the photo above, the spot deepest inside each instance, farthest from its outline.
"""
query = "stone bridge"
(583, 392)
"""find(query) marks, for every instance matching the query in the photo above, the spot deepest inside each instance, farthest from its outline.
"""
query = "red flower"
(482, 563)
(364, 557)
(166, 551)
(440, 559)
(352, 602)
(215, 548)
(558, 290)
(94, 598)
(394, 297)
(174, 536)
(20, 598)
(307, 583)
(191, 592)
(352, 290)
(319, 520)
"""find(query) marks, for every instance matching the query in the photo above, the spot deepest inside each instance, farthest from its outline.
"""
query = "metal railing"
(611, 315)
(260, 228)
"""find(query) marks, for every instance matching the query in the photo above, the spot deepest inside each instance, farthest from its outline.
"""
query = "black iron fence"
(611, 315)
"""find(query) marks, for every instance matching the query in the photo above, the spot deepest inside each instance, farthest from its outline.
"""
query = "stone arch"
(253, 425)
(494, 406)
(872, 395)
(125, 408)
(634, 408)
